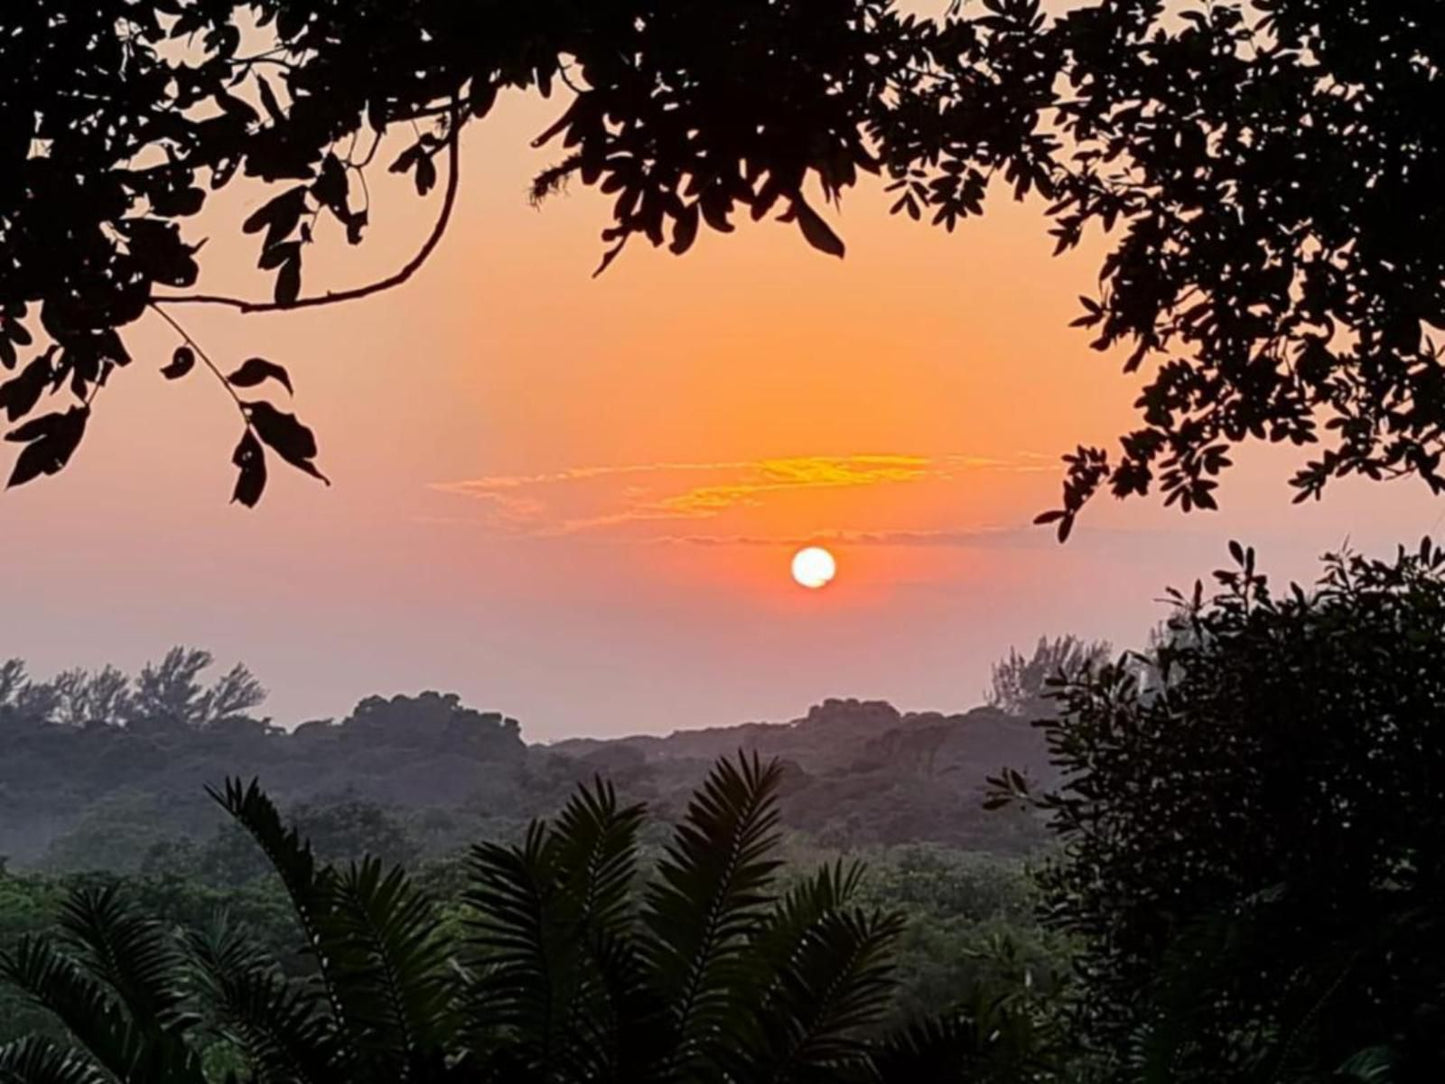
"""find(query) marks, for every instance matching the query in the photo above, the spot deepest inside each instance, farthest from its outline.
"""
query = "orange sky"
(575, 500)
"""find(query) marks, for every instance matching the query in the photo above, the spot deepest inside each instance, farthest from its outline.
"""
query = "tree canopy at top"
(1268, 174)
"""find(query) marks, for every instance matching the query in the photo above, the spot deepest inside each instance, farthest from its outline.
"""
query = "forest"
(1214, 858)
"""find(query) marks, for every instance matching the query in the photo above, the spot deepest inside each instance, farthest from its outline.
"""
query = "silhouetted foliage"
(1270, 170)
(1252, 839)
(562, 971)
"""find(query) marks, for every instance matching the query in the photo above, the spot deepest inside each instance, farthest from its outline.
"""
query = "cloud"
(593, 498)
(968, 537)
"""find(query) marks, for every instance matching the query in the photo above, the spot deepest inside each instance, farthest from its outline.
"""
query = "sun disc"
(814, 567)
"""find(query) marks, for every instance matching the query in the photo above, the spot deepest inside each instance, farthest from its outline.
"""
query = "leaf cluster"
(1251, 815)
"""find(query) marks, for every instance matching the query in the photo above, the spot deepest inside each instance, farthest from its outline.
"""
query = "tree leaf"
(285, 435)
(684, 232)
(426, 174)
(268, 99)
(288, 281)
(255, 371)
(817, 232)
(20, 394)
(250, 458)
(52, 446)
(182, 362)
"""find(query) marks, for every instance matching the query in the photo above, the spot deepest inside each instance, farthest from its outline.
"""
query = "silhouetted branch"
(357, 293)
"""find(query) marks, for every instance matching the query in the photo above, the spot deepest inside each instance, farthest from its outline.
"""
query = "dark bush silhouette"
(1252, 854)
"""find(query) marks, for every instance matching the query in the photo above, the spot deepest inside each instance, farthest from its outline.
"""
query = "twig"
(356, 293)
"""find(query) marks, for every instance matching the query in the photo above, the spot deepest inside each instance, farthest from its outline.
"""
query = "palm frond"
(308, 883)
(1374, 1065)
(128, 951)
(390, 965)
(707, 902)
(131, 1051)
(593, 843)
(550, 924)
(510, 931)
(933, 1050)
(833, 981)
(38, 1060)
(593, 846)
(280, 1025)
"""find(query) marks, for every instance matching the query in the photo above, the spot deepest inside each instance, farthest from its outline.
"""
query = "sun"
(814, 567)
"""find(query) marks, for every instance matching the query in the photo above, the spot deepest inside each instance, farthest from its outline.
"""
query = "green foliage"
(563, 971)
(1251, 818)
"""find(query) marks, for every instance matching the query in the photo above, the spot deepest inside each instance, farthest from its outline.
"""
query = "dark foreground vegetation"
(1242, 881)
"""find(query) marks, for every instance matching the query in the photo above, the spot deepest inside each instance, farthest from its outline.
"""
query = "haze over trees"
(102, 770)
(1267, 174)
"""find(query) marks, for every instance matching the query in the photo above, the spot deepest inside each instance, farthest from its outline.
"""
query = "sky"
(575, 500)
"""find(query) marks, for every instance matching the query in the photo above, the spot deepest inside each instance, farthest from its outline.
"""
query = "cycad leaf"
(707, 903)
(311, 887)
(390, 965)
(308, 884)
(126, 950)
(832, 976)
(132, 1052)
(551, 925)
(282, 1026)
(38, 1060)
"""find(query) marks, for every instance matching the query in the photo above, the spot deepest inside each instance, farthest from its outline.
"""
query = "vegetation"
(1251, 818)
(120, 787)
(561, 970)
(1267, 170)
(1245, 885)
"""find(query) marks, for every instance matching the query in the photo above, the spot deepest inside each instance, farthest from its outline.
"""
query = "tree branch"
(358, 292)
(215, 369)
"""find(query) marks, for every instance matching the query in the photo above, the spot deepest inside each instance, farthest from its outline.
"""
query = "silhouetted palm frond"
(280, 1025)
(38, 1060)
(708, 902)
(550, 930)
(382, 935)
(128, 951)
(132, 1050)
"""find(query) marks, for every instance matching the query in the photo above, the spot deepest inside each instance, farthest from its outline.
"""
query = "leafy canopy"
(1268, 174)
(1251, 816)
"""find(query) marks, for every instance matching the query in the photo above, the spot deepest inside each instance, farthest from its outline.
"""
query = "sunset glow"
(598, 483)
